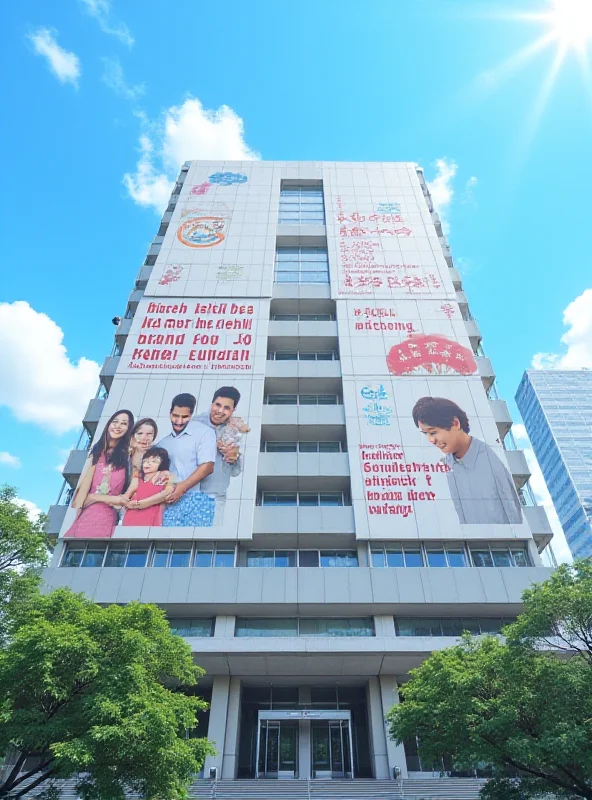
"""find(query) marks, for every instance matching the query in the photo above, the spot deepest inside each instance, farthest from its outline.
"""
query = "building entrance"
(324, 735)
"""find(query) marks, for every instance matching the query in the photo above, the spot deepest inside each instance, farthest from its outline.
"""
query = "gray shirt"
(482, 488)
(194, 446)
(217, 483)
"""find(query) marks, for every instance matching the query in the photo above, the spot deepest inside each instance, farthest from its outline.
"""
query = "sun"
(571, 22)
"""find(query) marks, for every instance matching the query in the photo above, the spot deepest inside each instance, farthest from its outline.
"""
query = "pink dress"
(145, 516)
(98, 520)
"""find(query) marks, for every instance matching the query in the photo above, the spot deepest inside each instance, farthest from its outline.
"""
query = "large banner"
(220, 241)
(426, 461)
(175, 453)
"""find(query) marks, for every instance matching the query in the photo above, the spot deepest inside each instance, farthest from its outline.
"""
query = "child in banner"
(145, 495)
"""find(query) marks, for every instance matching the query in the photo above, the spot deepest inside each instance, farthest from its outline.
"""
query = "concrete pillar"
(390, 696)
(384, 626)
(224, 626)
(217, 725)
(362, 548)
(230, 759)
(377, 731)
(304, 734)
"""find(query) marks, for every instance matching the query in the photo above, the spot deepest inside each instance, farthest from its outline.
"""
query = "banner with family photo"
(172, 457)
(425, 455)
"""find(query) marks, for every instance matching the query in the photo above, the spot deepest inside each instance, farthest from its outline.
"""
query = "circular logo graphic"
(201, 231)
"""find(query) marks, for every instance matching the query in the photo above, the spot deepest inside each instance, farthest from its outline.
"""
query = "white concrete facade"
(315, 600)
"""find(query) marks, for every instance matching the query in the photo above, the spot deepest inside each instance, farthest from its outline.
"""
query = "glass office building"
(346, 542)
(556, 406)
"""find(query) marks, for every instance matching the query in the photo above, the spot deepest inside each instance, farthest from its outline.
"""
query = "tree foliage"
(23, 552)
(99, 692)
(523, 705)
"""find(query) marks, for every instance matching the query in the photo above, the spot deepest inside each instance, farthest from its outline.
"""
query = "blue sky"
(89, 83)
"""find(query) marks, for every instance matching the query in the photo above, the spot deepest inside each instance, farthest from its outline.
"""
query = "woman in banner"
(105, 478)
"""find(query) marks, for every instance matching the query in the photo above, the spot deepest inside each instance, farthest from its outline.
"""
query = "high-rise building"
(556, 406)
(336, 523)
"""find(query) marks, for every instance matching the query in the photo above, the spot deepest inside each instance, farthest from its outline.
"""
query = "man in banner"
(227, 429)
(192, 450)
(480, 485)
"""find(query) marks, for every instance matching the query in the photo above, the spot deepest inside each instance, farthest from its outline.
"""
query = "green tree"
(523, 706)
(98, 691)
(23, 552)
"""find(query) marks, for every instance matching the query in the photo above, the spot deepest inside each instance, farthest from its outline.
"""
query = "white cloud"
(32, 510)
(469, 186)
(577, 317)
(542, 496)
(101, 11)
(441, 188)
(185, 132)
(9, 460)
(64, 64)
(45, 387)
(114, 79)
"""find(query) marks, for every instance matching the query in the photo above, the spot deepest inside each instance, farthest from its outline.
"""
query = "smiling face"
(118, 426)
(144, 436)
(151, 465)
(221, 410)
(448, 441)
(180, 417)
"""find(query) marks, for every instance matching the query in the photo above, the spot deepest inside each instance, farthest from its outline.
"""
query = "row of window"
(448, 555)
(281, 627)
(303, 499)
(303, 317)
(178, 554)
(302, 400)
(301, 205)
(303, 447)
(301, 265)
(299, 355)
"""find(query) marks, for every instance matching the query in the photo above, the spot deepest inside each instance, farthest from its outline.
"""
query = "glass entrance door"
(331, 753)
(278, 749)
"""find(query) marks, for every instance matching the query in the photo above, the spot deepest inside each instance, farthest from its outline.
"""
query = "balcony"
(143, 277)
(502, 417)
(298, 330)
(473, 333)
(302, 291)
(323, 416)
(317, 465)
(463, 303)
(93, 415)
(455, 277)
(134, 299)
(122, 332)
(298, 520)
(74, 466)
(485, 372)
(303, 369)
(538, 522)
(518, 467)
(55, 520)
(108, 371)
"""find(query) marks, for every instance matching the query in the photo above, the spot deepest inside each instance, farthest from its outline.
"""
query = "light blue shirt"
(188, 450)
(482, 488)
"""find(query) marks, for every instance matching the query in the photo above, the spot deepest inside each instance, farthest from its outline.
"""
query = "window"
(271, 558)
(292, 355)
(163, 229)
(493, 554)
(301, 205)
(304, 499)
(150, 261)
(180, 555)
(192, 627)
(339, 558)
(279, 447)
(449, 626)
(272, 627)
(301, 265)
(93, 557)
(395, 555)
(302, 399)
(73, 557)
(303, 317)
